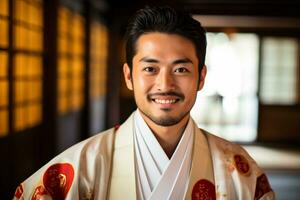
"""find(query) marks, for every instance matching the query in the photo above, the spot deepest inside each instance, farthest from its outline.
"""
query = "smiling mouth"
(166, 98)
(165, 101)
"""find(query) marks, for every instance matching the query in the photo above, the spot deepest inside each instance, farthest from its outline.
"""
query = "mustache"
(171, 93)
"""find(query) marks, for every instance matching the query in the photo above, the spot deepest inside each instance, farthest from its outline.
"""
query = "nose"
(165, 81)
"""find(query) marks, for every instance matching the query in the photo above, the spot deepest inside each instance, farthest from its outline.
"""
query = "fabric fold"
(159, 177)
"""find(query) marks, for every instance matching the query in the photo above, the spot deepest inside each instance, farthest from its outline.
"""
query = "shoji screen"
(27, 63)
(3, 67)
(71, 66)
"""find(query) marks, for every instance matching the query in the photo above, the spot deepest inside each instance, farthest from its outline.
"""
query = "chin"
(165, 121)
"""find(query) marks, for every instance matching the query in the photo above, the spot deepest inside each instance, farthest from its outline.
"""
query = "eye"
(181, 70)
(149, 69)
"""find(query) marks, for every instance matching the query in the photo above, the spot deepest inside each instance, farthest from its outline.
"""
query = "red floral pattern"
(262, 186)
(58, 180)
(204, 190)
(39, 192)
(19, 192)
(242, 165)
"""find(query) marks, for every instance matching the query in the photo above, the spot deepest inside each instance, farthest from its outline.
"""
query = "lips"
(165, 101)
(166, 98)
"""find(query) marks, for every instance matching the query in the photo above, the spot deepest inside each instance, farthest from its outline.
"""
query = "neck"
(167, 136)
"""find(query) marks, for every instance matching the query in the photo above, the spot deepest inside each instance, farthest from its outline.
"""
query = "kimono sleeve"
(73, 173)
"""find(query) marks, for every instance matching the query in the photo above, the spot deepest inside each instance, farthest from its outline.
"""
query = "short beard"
(166, 121)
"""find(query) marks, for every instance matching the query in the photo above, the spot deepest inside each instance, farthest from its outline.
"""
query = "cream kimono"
(103, 167)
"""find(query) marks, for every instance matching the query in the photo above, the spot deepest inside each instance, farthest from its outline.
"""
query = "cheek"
(191, 95)
(143, 83)
(188, 85)
(189, 89)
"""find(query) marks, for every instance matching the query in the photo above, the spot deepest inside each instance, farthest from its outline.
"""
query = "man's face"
(165, 77)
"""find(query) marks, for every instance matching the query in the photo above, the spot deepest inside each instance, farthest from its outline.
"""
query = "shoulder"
(225, 146)
(233, 162)
(98, 143)
(95, 145)
(234, 156)
(78, 162)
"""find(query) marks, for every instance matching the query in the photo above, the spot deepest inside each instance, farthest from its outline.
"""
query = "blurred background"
(61, 80)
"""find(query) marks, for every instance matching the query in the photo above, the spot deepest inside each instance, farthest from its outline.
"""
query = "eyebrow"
(178, 61)
(148, 60)
(182, 61)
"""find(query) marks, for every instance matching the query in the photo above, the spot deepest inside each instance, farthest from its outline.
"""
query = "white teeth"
(165, 101)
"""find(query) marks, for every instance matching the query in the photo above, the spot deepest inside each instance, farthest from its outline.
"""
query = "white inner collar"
(152, 161)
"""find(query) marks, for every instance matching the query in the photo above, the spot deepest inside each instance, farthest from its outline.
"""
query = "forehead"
(164, 46)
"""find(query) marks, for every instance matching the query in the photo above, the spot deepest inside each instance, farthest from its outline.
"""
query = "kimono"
(104, 167)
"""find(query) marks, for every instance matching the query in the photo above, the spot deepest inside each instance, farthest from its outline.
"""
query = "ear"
(127, 76)
(202, 77)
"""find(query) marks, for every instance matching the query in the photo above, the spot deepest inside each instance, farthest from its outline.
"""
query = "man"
(158, 153)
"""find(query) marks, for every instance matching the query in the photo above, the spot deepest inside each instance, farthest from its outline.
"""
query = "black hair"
(166, 20)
